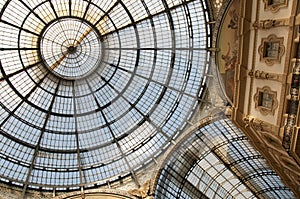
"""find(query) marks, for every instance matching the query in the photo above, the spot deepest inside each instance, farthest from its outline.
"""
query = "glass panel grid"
(66, 127)
(218, 161)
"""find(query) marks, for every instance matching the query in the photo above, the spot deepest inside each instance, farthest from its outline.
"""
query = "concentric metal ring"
(92, 91)
(70, 48)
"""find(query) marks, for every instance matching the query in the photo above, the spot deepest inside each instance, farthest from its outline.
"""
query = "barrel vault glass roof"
(93, 90)
(217, 161)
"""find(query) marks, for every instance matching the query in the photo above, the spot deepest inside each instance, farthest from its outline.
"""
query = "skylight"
(93, 90)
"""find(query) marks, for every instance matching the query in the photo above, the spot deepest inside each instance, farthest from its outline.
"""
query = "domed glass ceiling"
(93, 90)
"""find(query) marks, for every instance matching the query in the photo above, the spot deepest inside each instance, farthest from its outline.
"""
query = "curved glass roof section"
(217, 161)
(92, 90)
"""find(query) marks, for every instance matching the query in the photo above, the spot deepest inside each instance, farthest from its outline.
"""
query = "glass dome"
(93, 90)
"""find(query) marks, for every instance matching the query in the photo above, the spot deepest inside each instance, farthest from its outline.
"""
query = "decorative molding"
(291, 121)
(275, 5)
(271, 49)
(258, 74)
(258, 125)
(213, 49)
(258, 131)
(264, 105)
(272, 141)
(228, 111)
(10, 191)
(144, 192)
(270, 23)
(111, 192)
(297, 20)
(295, 145)
(269, 145)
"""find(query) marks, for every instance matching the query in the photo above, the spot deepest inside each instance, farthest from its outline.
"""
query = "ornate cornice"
(112, 192)
(263, 137)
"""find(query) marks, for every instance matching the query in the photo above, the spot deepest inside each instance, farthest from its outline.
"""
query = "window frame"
(262, 50)
(275, 7)
(259, 104)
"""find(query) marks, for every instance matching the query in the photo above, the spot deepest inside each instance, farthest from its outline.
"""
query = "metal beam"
(121, 150)
(4, 8)
(115, 140)
(252, 189)
(20, 71)
(18, 27)
(150, 16)
(156, 48)
(7, 49)
(227, 166)
(37, 147)
(272, 189)
(86, 9)
(52, 6)
(145, 117)
(70, 7)
(23, 98)
(77, 137)
(107, 12)
(33, 12)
